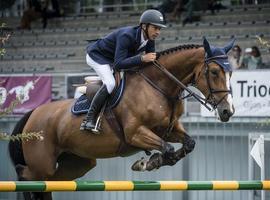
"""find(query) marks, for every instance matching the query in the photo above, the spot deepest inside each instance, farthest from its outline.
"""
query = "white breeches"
(104, 72)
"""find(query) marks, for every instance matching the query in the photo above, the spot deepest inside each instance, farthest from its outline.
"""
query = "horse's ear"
(207, 47)
(228, 47)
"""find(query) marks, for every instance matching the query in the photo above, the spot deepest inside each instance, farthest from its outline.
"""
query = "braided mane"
(178, 48)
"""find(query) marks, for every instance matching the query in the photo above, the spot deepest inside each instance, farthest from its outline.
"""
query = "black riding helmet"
(153, 17)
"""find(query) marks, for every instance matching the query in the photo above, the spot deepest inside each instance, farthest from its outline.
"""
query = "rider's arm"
(150, 47)
(121, 59)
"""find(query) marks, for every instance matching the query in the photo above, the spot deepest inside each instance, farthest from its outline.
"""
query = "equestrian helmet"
(153, 17)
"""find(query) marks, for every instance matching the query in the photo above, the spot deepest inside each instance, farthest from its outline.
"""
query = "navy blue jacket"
(120, 48)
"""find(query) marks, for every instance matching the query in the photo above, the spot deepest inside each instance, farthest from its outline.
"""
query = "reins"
(181, 85)
(177, 82)
(204, 101)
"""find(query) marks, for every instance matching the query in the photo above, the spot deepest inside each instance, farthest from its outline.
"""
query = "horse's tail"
(15, 147)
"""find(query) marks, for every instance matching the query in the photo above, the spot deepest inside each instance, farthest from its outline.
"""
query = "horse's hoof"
(139, 165)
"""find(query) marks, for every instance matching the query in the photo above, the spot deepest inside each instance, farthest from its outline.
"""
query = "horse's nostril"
(225, 112)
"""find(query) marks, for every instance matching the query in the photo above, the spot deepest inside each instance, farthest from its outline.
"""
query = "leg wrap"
(189, 144)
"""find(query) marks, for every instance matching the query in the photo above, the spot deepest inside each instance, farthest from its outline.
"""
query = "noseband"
(210, 100)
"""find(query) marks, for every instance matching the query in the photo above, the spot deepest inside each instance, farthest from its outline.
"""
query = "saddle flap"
(91, 90)
(82, 104)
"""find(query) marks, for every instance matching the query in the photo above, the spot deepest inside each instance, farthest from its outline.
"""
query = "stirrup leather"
(97, 128)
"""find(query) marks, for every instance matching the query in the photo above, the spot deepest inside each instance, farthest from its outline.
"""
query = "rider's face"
(153, 31)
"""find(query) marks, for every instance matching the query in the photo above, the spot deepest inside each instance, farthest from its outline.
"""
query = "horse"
(148, 114)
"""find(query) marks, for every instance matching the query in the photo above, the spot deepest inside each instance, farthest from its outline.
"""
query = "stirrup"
(96, 129)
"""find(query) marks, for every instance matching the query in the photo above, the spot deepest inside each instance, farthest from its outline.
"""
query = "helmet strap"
(146, 31)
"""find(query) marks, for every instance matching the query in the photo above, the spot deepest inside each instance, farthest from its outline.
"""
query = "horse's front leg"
(188, 146)
(145, 139)
(178, 135)
(158, 160)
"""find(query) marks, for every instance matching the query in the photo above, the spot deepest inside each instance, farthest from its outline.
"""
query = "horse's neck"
(181, 64)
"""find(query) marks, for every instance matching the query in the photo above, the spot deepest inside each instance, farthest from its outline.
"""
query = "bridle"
(209, 102)
(210, 99)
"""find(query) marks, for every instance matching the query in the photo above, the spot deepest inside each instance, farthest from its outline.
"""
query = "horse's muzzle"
(225, 113)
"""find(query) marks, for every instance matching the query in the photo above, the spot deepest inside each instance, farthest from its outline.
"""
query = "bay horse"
(148, 113)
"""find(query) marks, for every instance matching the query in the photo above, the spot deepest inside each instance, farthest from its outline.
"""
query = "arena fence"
(50, 186)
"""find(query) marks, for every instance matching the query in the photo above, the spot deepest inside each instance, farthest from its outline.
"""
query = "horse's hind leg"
(40, 195)
(25, 174)
(71, 167)
(40, 157)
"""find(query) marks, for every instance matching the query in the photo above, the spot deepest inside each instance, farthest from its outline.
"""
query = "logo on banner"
(3, 95)
(21, 92)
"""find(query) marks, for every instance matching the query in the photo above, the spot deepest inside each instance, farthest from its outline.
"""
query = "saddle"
(88, 92)
(89, 89)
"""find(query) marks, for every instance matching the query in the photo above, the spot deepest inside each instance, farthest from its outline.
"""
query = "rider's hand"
(149, 57)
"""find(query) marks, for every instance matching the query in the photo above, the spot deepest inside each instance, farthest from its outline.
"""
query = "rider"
(124, 48)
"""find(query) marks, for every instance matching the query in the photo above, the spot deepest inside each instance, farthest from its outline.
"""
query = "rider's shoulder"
(128, 31)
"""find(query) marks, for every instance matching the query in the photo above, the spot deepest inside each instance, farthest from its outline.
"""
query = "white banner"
(251, 94)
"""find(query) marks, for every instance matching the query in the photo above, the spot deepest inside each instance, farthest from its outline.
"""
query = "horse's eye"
(214, 72)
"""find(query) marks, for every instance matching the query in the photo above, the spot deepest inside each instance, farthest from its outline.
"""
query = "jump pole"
(53, 186)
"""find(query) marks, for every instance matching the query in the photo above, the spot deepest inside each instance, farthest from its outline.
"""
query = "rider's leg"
(96, 104)
(106, 75)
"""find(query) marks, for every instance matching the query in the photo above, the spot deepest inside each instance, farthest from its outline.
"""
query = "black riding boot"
(98, 101)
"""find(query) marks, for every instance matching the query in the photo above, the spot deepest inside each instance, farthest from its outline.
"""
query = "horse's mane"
(178, 48)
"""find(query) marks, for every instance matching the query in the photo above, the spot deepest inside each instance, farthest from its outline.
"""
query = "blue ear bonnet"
(223, 62)
(212, 52)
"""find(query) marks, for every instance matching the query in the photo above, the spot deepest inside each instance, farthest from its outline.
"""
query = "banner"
(28, 91)
(251, 94)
